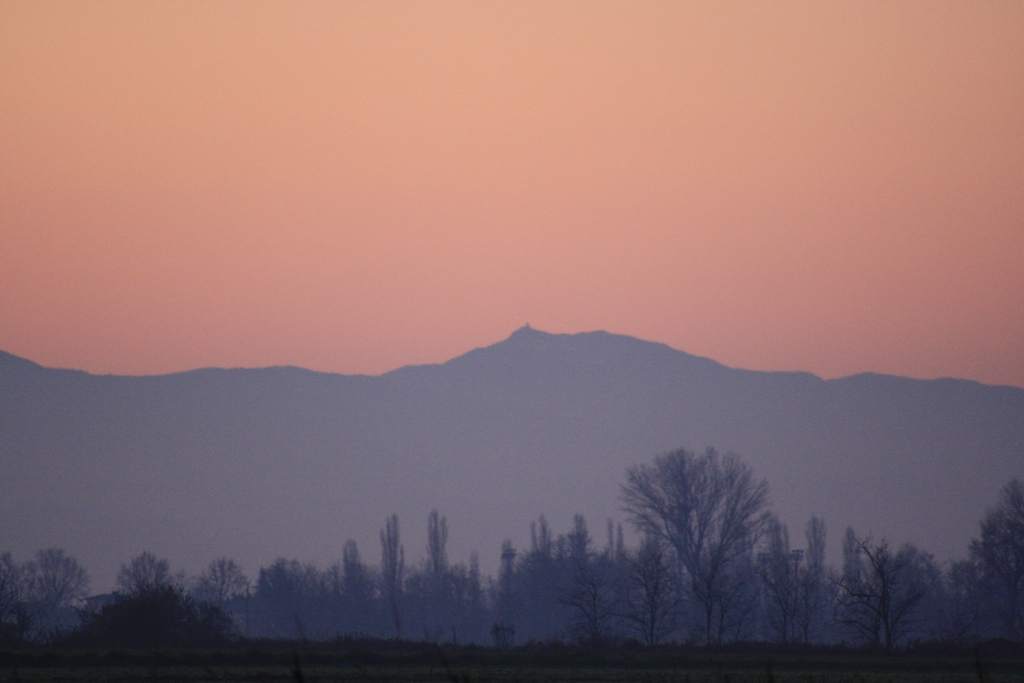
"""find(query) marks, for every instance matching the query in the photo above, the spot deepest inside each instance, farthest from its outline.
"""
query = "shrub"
(156, 617)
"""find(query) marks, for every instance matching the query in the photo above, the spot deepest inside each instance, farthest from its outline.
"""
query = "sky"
(352, 187)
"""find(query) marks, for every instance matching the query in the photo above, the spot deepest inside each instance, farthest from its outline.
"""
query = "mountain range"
(281, 461)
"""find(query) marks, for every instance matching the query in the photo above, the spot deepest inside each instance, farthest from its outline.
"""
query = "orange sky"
(835, 187)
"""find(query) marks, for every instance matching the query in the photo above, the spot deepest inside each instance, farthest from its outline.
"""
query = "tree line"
(713, 565)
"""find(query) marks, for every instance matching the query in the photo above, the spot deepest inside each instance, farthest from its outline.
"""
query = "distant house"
(95, 603)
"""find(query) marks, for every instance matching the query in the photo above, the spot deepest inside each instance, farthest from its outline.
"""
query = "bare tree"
(357, 582)
(779, 569)
(12, 592)
(792, 581)
(960, 602)
(590, 595)
(711, 511)
(879, 589)
(221, 581)
(812, 596)
(736, 618)
(506, 596)
(437, 538)
(144, 573)
(358, 593)
(287, 598)
(651, 603)
(54, 582)
(579, 539)
(1000, 552)
(392, 569)
(57, 579)
(432, 591)
(590, 589)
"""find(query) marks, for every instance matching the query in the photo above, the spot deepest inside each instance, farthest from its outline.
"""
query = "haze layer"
(255, 464)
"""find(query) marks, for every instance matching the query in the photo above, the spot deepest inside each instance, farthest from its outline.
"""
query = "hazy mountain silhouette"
(282, 461)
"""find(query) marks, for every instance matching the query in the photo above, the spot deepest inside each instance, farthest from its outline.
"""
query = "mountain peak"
(529, 348)
(526, 331)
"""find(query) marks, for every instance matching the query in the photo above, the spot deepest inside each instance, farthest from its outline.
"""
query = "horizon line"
(524, 328)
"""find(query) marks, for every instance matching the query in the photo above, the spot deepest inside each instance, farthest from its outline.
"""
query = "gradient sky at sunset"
(827, 186)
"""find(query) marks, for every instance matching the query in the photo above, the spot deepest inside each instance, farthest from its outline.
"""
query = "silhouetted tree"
(444, 600)
(358, 595)
(960, 603)
(438, 616)
(711, 511)
(221, 581)
(813, 596)
(14, 620)
(357, 581)
(651, 601)
(579, 539)
(879, 589)
(437, 539)
(533, 584)
(505, 599)
(57, 578)
(471, 615)
(161, 615)
(56, 583)
(1000, 554)
(779, 569)
(590, 589)
(392, 569)
(591, 597)
(143, 573)
(288, 598)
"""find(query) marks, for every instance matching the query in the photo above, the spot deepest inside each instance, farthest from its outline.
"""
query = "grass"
(285, 674)
(389, 662)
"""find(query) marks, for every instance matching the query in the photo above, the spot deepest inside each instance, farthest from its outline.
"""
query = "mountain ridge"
(517, 335)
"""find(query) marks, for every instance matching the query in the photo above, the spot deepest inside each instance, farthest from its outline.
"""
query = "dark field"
(411, 663)
(416, 675)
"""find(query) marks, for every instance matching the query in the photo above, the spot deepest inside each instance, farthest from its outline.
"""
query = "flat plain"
(483, 665)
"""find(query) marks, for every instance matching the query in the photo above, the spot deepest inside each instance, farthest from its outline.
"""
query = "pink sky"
(835, 187)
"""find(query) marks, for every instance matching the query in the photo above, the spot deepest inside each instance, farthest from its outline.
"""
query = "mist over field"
(256, 464)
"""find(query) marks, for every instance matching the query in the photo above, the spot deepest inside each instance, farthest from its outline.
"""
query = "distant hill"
(282, 461)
